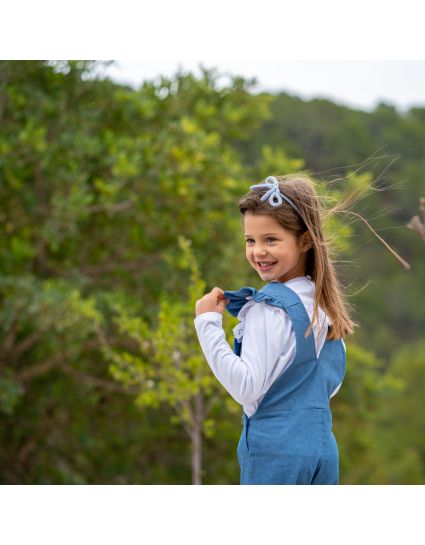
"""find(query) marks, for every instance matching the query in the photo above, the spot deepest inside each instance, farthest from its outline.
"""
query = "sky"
(359, 84)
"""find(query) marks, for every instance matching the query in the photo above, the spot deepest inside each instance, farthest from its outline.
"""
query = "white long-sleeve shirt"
(268, 346)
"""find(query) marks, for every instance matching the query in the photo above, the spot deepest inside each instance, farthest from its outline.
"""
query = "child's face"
(267, 241)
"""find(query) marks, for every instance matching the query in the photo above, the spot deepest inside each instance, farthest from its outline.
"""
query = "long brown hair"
(329, 295)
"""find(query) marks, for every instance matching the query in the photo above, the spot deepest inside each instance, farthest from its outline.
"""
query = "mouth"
(266, 266)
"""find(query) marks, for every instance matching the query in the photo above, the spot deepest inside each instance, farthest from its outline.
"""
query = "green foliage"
(401, 418)
(167, 365)
(10, 394)
(97, 181)
(355, 410)
(119, 210)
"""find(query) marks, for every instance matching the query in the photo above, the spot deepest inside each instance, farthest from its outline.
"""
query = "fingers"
(212, 301)
(218, 291)
(220, 295)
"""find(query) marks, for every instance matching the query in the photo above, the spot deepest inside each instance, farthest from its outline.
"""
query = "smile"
(264, 266)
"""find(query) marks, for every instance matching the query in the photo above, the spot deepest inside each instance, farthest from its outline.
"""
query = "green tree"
(400, 419)
(167, 366)
(96, 182)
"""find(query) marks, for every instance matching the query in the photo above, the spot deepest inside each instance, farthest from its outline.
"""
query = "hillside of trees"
(119, 210)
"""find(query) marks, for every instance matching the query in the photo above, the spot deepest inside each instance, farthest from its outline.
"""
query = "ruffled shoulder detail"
(240, 301)
(238, 330)
(237, 299)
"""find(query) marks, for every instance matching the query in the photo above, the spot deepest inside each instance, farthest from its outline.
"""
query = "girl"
(289, 355)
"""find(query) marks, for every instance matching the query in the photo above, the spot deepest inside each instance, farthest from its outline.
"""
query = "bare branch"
(97, 382)
(416, 223)
(58, 362)
(117, 207)
(39, 369)
(28, 342)
(101, 268)
(25, 451)
(94, 270)
(10, 336)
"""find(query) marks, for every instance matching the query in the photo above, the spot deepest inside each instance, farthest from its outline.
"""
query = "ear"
(305, 242)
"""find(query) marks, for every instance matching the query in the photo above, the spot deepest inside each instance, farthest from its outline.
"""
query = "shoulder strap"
(278, 294)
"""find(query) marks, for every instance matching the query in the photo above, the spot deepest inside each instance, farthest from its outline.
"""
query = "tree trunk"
(197, 440)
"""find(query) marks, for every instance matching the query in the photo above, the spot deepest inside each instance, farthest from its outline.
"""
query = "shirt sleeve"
(247, 377)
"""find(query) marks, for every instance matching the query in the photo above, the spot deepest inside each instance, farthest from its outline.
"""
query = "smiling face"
(269, 242)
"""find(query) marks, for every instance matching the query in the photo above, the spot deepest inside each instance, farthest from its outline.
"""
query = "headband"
(274, 194)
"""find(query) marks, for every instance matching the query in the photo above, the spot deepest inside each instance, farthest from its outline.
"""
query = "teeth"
(265, 264)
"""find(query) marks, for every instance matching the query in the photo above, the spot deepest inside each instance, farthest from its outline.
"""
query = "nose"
(259, 255)
(259, 251)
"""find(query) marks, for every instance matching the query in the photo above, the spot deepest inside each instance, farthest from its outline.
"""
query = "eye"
(268, 238)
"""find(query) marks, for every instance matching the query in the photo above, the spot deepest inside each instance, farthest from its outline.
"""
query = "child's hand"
(213, 301)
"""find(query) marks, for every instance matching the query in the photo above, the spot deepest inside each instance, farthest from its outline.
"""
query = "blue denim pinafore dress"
(289, 439)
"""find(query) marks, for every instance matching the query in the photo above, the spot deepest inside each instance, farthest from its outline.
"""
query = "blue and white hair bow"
(274, 194)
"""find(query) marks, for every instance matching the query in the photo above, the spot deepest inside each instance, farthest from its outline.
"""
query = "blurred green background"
(119, 210)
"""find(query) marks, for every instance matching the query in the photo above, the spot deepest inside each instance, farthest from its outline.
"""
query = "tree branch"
(39, 369)
(97, 382)
(416, 223)
(117, 207)
(28, 342)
